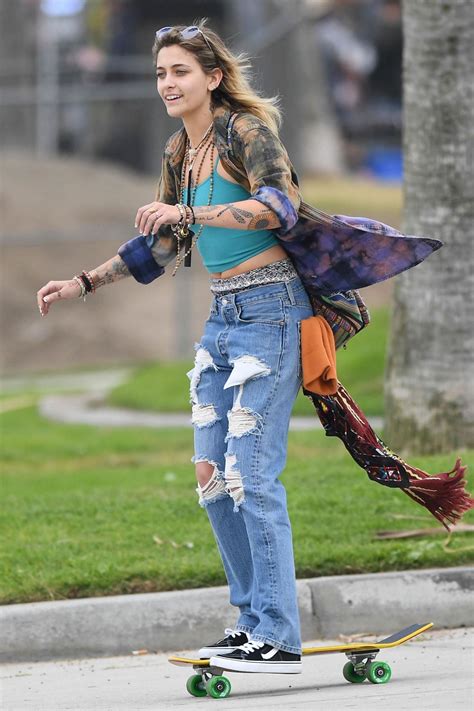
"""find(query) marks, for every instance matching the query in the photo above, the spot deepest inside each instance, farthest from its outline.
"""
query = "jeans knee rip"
(214, 489)
(204, 415)
(233, 481)
(243, 421)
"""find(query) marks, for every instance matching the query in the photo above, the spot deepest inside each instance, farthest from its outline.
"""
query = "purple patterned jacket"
(331, 253)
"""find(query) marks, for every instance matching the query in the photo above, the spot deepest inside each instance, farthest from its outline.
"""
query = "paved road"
(433, 672)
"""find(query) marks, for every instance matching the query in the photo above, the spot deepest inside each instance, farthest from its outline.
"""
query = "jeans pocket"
(264, 310)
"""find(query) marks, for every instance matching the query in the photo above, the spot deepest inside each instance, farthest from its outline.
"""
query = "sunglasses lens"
(190, 32)
(163, 31)
(187, 33)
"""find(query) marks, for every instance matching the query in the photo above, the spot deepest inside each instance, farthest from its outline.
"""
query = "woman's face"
(179, 74)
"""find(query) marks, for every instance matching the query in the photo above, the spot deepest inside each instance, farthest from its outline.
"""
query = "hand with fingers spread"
(150, 217)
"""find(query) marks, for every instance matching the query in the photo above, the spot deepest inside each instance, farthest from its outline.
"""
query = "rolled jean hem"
(244, 628)
(275, 643)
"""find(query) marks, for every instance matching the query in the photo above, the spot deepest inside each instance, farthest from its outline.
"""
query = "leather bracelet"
(86, 281)
(89, 276)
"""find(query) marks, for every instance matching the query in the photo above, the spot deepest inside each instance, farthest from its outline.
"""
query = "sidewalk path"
(90, 409)
(89, 406)
(429, 673)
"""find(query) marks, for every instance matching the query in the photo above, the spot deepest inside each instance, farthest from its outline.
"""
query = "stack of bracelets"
(186, 213)
(86, 283)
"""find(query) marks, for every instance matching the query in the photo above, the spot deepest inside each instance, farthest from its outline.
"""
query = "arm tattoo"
(239, 215)
(260, 221)
(109, 272)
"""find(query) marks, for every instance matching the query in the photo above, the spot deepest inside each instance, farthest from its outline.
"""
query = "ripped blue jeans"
(246, 376)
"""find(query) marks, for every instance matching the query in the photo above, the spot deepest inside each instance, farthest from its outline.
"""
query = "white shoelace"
(232, 633)
(251, 646)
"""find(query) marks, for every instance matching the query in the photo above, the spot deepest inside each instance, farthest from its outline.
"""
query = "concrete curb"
(377, 603)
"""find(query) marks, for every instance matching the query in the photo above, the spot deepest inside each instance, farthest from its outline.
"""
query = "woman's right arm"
(112, 270)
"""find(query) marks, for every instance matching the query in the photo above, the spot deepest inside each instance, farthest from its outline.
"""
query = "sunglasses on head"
(187, 33)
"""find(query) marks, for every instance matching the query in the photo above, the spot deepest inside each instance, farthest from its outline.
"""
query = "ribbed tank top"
(222, 248)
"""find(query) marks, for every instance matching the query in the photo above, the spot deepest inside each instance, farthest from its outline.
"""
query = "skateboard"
(209, 680)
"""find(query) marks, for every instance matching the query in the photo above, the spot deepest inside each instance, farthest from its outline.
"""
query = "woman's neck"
(196, 127)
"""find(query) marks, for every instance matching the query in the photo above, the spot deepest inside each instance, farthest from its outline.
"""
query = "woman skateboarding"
(228, 188)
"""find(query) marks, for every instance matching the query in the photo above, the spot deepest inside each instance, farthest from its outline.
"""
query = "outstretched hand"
(150, 217)
(56, 291)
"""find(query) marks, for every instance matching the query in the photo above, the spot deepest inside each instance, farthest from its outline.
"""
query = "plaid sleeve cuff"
(280, 204)
(138, 257)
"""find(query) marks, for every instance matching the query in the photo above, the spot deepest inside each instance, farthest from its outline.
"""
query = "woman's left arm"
(244, 214)
(275, 196)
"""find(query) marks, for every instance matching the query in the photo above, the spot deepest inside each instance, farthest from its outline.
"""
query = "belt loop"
(291, 296)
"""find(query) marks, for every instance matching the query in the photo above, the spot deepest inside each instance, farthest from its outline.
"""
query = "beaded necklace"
(187, 164)
(194, 151)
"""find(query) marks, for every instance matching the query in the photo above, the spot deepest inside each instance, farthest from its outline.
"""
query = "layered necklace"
(205, 145)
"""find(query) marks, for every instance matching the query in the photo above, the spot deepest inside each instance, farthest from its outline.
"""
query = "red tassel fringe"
(444, 495)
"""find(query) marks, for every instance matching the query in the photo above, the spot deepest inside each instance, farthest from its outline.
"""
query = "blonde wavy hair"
(234, 91)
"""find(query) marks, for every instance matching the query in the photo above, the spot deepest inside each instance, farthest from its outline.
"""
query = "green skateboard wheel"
(218, 687)
(196, 686)
(378, 672)
(351, 675)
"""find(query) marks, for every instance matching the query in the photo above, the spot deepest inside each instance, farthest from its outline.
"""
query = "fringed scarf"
(444, 494)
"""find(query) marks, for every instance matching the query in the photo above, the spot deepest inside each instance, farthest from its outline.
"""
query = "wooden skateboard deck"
(208, 679)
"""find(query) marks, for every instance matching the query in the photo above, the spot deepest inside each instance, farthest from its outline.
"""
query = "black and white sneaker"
(258, 657)
(231, 641)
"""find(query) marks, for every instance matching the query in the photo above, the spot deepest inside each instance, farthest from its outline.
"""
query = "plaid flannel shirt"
(331, 253)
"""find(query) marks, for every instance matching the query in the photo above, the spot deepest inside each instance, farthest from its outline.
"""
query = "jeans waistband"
(281, 271)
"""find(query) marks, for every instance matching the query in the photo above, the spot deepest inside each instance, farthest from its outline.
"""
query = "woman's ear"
(216, 77)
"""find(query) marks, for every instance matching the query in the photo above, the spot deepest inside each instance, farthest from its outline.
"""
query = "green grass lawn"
(101, 511)
(165, 387)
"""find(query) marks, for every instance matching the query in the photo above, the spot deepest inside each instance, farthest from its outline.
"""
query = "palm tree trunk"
(430, 375)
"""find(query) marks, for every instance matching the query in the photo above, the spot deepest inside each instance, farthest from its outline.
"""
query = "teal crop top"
(222, 248)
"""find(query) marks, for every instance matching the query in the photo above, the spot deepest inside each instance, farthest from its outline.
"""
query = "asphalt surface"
(432, 672)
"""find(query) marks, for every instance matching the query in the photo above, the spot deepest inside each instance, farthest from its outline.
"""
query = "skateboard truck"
(361, 666)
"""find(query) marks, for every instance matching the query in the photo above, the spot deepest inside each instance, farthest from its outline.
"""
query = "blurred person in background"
(360, 44)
